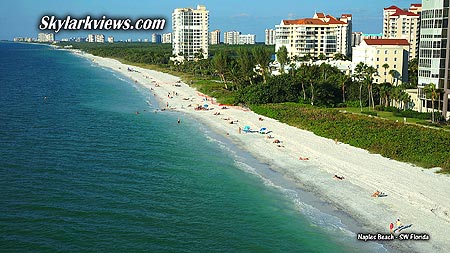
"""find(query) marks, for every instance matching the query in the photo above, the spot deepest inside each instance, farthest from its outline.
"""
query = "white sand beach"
(415, 195)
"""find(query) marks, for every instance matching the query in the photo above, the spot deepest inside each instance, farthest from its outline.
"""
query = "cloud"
(241, 15)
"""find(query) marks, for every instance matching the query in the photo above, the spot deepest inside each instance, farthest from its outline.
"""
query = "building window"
(385, 59)
(395, 59)
(378, 59)
(395, 66)
(385, 51)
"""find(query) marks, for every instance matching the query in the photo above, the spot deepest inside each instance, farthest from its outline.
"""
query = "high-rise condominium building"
(100, 38)
(231, 37)
(156, 38)
(190, 32)
(46, 37)
(167, 38)
(110, 39)
(322, 34)
(214, 37)
(247, 39)
(434, 53)
(403, 24)
(270, 37)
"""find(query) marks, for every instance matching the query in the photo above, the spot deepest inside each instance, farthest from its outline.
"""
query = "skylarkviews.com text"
(104, 23)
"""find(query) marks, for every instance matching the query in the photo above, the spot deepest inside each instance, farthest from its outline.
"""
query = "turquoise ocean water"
(80, 171)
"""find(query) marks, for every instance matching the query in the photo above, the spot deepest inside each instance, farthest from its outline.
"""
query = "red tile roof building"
(403, 24)
(377, 52)
(321, 34)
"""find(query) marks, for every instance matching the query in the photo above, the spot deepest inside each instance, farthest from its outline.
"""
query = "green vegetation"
(404, 142)
(230, 75)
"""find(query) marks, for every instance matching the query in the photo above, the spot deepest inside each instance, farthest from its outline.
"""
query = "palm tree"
(370, 71)
(359, 76)
(245, 63)
(385, 66)
(343, 79)
(431, 92)
(282, 57)
(392, 72)
(220, 63)
(262, 58)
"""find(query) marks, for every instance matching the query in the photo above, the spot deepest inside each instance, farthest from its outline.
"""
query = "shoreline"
(416, 196)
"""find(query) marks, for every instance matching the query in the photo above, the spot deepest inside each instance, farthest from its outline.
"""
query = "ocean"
(81, 171)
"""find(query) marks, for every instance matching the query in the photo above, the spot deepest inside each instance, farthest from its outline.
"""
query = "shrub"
(370, 113)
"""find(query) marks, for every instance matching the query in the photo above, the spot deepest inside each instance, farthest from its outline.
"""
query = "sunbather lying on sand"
(338, 177)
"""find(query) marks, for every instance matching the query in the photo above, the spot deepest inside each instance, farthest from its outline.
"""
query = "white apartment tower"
(270, 37)
(322, 34)
(231, 37)
(214, 37)
(90, 38)
(110, 39)
(100, 38)
(190, 32)
(434, 53)
(247, 39)
(403, 24)
(46, 37)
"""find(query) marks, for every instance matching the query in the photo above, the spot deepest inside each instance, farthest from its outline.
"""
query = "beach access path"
(415, 195)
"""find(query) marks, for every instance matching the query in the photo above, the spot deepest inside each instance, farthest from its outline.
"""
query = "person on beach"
(339, 177)
(391, 228)
(376, 194)
(240, 129)
(179, 121)
(398, 223)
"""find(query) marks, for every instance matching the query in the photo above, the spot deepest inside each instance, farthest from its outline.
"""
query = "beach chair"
(246, 129)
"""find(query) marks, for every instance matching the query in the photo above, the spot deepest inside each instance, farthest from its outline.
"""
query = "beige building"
(269, 37)
(190, 32)
(214, 37)
(403, 24)
(321, 34)
(110, 39)
(166, 38)
(377, 52)
(46, 37)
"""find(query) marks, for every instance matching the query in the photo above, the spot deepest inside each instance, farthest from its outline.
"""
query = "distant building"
(403, 24)
(434, 54)
(372, 36)
(321, 34)
(100, 38)
(23, 39)
(46, 37)
(167, 38)
(269, 37)
(156, 38)
(90, 38)
(356, 38)
(247, 39)
(129, 40)
(231, 37)
(110, 39)
(377, 52)
(214, 37)
(190, 32)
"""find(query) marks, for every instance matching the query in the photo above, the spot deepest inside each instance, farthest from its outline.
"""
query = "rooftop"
(397, 42)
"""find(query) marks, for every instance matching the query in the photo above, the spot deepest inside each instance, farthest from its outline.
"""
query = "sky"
(21, 18)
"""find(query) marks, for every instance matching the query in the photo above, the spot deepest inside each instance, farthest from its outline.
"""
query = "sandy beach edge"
(415, 195)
